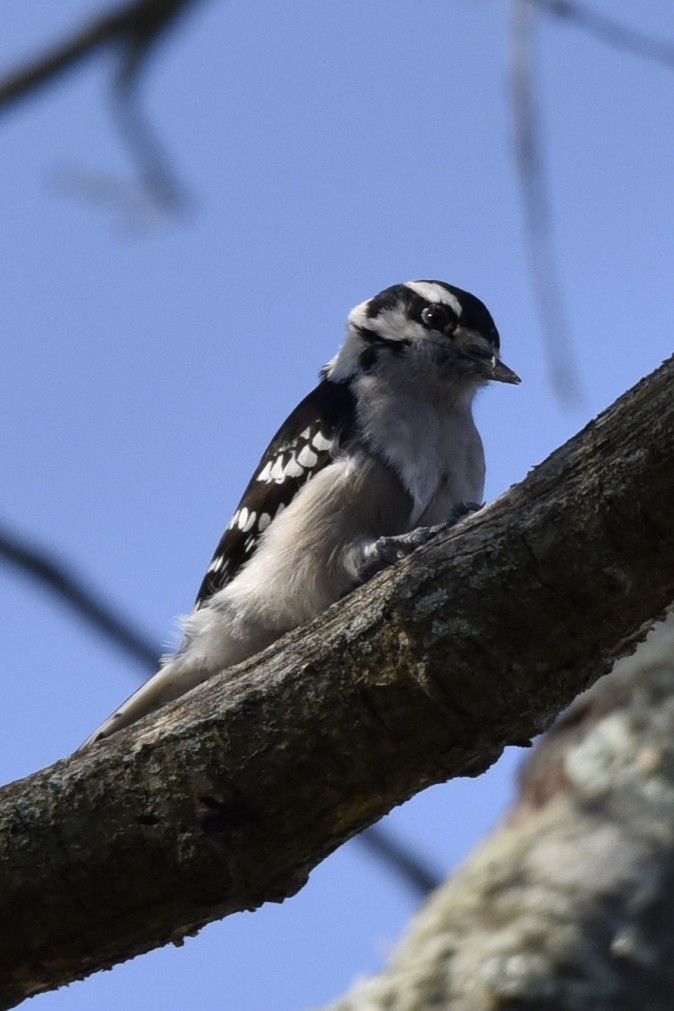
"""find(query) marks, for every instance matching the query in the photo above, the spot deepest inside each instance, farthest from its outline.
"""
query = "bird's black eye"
(439, 317)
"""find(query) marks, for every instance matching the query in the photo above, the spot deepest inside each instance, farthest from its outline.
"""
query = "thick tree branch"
(229, 797)
(57, 576)
(570, 903)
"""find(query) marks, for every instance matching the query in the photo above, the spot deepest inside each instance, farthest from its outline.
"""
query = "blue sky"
(328, 151)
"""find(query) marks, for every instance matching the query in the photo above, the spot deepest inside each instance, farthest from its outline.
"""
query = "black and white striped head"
(433, 322)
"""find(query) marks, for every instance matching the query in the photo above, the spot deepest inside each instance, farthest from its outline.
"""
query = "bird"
(377, 458)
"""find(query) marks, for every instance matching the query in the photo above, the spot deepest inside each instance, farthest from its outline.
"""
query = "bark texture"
(569, 906)
(230, 796)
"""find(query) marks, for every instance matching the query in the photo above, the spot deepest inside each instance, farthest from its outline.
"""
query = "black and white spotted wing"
(305, 443)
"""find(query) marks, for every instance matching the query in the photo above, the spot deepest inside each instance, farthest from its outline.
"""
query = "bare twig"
(529, 157)
(537, 213)
(157, 176)
(61, 580)
(611, 32)
(411, 867)
(136, 28)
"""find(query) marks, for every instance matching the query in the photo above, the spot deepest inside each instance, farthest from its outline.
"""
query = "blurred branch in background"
(536, 202)
(530, 162)
(411, 867)
(609, 31)
(59, 579)
(135, 28)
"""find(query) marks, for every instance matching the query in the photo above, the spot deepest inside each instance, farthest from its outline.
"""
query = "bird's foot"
(387, 551)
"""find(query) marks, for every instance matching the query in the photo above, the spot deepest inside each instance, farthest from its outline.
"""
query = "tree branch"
(610, 31)
(536, 201)
(230, 796)
(135, 26)
(55, 575)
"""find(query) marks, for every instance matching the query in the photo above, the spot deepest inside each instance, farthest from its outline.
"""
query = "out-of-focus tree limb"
(536, 201)
(60, 579)
(610, 31)
(529, 159)
(134, 28)
(409, 864)
(569, 905)
(230, 796)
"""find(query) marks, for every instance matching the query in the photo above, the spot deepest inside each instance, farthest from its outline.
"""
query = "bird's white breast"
(430, 440)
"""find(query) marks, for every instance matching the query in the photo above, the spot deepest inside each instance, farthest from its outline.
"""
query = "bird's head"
(423, 322)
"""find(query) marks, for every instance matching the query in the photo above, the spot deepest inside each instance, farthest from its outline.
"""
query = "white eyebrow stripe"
(435, 293)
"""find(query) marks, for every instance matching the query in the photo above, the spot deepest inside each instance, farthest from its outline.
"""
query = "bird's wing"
(304, 445)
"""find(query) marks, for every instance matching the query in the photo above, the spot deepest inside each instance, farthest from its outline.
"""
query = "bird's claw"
(388, 550)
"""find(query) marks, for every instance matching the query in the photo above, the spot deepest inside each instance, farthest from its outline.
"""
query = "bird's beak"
(500, 373)
(476, 348)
